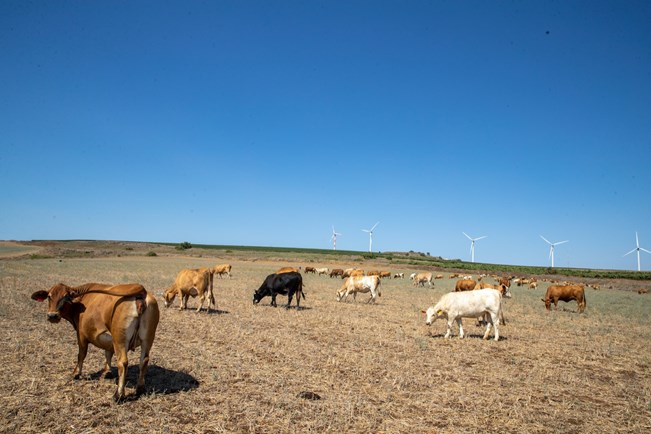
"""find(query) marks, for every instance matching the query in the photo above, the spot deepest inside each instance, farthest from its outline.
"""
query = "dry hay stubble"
(376, 367)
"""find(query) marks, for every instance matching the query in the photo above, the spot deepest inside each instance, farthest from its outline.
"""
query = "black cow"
(284, 283)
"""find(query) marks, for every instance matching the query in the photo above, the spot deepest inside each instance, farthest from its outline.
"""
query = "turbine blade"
(545, 240)
(630, 252)
(644, 250)
(374, 226)
(467, 236)
(561, 242)
(637, 240)
(481, 238)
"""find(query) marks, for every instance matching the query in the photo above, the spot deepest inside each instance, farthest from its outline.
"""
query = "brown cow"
(385, 274)
(114, 318)
(465, 285)
(309, 269)
(565, 293)
(191, 282)
(222, 269)
(642, 291)
(336, 272)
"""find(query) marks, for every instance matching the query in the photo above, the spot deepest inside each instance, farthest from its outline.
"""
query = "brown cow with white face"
(114, 318)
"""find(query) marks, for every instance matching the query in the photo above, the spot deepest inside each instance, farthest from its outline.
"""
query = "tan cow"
(222, 269)
(422, 278)
(465, 285)
(191, 282)
(116, 319)
(288, 270)
(361, 284)
(642, 291)
(565, 293)
(385, 274)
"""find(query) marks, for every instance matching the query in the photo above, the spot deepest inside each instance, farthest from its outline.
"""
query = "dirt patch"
(12, 249)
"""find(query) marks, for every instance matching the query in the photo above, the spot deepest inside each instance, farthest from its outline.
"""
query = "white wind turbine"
(551, 247)
(334, 238)
(370, 235)
(637, 248)
(472, 245)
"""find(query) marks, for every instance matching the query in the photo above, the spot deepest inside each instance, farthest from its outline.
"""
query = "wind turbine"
(472, 245)
(370, 235)
(334, 238)
(637, 248)
(551, 248)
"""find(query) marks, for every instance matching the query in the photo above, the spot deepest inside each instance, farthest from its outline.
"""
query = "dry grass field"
(376, 368)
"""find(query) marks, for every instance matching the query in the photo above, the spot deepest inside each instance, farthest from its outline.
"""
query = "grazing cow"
(114, 318)
(465, 285)
(362, 284)
(565, 293)
(594, 286)
(422, 278)
(454, 306)
(385, 274)
(373, 273)
(191, 282)
(222, 269)
(533, 285)
(321, 271)
(438, 276)
(336, 272)
(523, 282)
(454, 276)
(288, 283)
(310, 270)
(642, 291)
(288, 270)
(399, 276)
(412, 276)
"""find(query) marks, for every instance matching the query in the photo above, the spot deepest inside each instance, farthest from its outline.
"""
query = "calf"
(565, 293)
(336, 272)
(362, 284)
(114, 318)
(288, 283)
(454, 306)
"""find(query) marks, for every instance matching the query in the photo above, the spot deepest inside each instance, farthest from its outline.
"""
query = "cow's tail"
(300, 289)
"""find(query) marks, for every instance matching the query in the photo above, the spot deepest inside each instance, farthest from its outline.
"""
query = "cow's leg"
(183, 298)
(495, 320)
(108, 354)
(123, 364)
(81, 356)
(460, 328)
(202, 297)
(449, 323)
(273, 299)
(290, 295)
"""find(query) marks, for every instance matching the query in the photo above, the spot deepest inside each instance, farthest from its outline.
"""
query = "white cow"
(471, 304)
(411, 276)
(321, 271)
(355, 284)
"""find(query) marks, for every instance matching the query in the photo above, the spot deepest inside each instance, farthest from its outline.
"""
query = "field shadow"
(159, 380)
(284, 306)
(466, 336)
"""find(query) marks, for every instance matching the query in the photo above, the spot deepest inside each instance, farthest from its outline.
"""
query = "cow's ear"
(39, 296)
(422, 311)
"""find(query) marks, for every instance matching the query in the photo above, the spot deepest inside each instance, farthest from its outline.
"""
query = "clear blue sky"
(267, 122)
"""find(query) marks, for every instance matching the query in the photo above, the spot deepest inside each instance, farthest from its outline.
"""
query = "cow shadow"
(466, 336)
(297, 308)
(158, 381)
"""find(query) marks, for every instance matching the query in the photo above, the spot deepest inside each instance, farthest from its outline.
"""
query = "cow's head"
(548, 303)
(506, 292)
(169, 296)
(257, 296)
(432, 315)
(59, 299)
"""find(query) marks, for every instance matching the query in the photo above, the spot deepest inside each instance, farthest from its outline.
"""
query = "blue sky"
(267, 122)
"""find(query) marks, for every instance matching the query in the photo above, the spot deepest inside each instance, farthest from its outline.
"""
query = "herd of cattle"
(122, 317)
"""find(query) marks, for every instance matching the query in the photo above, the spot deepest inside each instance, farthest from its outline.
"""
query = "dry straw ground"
(377, 368)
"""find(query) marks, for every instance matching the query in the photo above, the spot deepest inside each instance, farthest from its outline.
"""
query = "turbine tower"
(472, 245)
(637, 249)
(370, 237)
(334, 238)
(551, 247)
